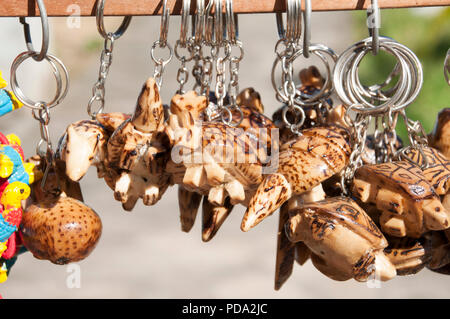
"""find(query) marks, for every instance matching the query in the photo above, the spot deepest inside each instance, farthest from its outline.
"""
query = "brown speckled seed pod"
(63, 230)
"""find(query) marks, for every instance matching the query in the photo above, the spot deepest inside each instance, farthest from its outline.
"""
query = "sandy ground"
(144, 254)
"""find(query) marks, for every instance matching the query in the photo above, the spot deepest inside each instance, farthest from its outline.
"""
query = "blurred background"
(143, 253)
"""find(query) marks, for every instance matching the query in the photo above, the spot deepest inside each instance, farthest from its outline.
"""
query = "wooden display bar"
(18, 8)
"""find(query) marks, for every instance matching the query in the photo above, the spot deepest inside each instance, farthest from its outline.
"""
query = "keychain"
(50, 213)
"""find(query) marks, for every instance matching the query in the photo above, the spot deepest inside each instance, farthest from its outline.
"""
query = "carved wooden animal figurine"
(409, 204)
(212, 158)
(440, 137)
(438, 170)
(84, 144)
(439, 251)
(344, 241)
(138, 149)
(288, 251)
(408, 255)
(304, 162)
(214, 215)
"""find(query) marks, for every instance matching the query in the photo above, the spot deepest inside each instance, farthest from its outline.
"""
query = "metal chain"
(233, 85)
(44, 148)
(220, 90)
(98, 90)
(289, 89)
(197, 69)
(359, 136)
(417, 139)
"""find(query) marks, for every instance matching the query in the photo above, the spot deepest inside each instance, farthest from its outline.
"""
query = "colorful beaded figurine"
(15, 178)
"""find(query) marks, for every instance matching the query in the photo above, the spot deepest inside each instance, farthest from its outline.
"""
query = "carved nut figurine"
(440, 137)
(304, 163)
(57, 227)
(138, 149)
(409, 203)
(344, 241)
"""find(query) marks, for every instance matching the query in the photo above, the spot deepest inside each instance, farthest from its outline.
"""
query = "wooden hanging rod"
(21, 8)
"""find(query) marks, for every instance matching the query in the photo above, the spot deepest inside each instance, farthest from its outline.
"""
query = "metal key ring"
(374, 30)
(349, 88)
(61, 86)
(353, 81)
(353, 94)
(185, 10)
(293, 30)
(218, 23)
(101, 25)
(411, 78)
(307, 27)
(294, 126)
(198, 23)
(326, 90)
(164, 29)
(45, 32)
(231, 22)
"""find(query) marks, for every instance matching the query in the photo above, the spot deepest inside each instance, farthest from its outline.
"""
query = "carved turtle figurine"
(440, 137)
(287, 251)
(409, 204)
(304, 163)
(344, 241)
(438, 170)
(439, 251)
(408, 255)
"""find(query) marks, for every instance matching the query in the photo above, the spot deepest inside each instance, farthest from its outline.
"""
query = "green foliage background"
(428, 36)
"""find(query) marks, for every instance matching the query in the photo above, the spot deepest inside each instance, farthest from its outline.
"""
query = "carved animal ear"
(188, 107)
(149, 113)
(111, 121)
(250, 98)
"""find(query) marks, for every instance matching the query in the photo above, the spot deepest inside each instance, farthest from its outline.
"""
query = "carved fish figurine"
(304, 163)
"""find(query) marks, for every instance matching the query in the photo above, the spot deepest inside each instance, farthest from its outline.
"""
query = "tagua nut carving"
(440, 137)
(304, 162)
(214, 159)
(409, 203)
(253, 122)
(328, 227)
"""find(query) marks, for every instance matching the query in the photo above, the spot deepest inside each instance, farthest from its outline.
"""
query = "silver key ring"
(351, 92)
(45, 32)
(218, 23)
(185, 10)
(293, 30)
(101, 25)
(198, 23)
(307, 27)
(164, 29)
(374, 12)
(61, 85)
(347, 87)
(231, 22)
(325, 91)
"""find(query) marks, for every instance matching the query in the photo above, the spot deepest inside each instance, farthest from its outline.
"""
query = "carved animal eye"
(22, 191)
